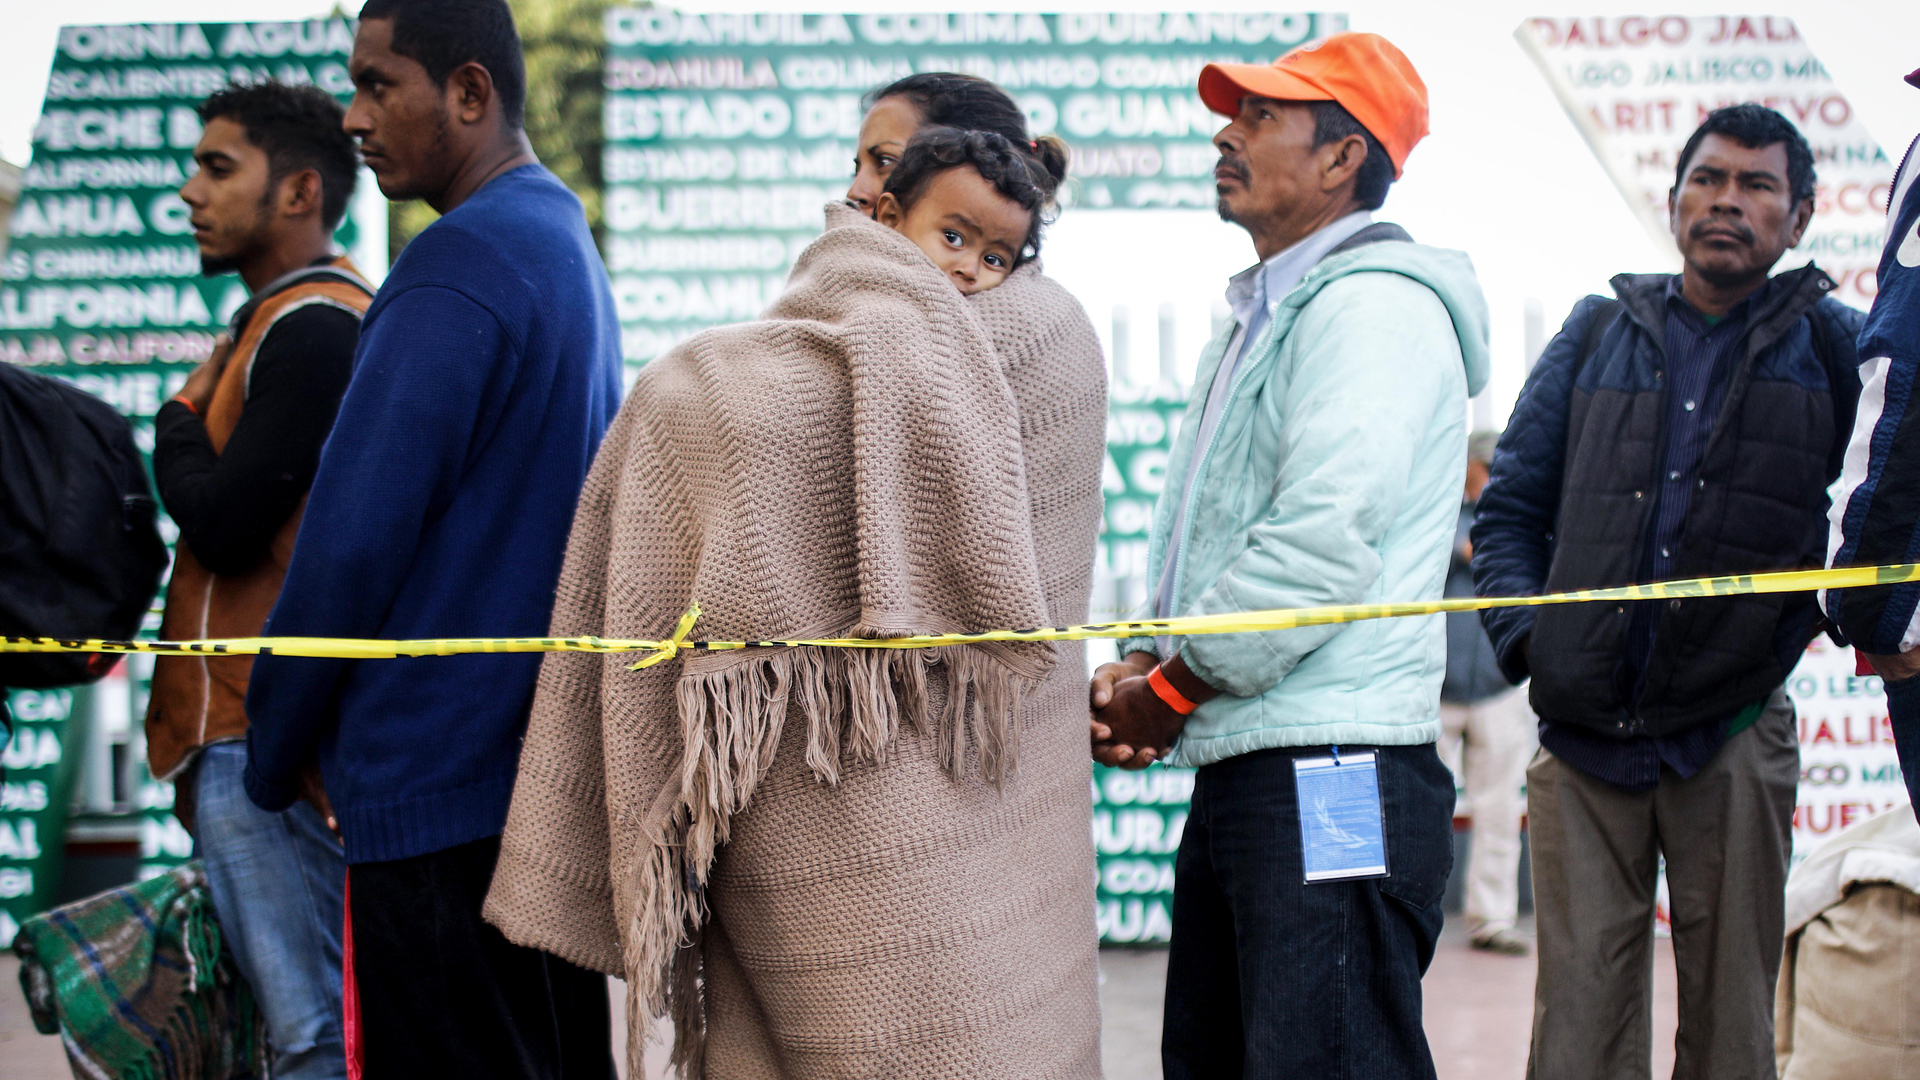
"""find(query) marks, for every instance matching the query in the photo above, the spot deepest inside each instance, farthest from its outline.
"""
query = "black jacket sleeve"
(229, 505)
(1514, 521)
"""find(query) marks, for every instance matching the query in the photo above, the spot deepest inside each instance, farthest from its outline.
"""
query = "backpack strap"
(1373, 234)
(306, 275)
(1597, 328)
(1822, 344)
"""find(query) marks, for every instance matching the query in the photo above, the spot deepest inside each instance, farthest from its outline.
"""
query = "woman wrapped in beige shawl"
(834, 863)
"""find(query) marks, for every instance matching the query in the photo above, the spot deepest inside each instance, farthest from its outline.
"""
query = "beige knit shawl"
(851, 464)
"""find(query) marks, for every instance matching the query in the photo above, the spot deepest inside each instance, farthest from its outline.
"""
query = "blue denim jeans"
(1903, 710)
(1271, 977)
(276, 881)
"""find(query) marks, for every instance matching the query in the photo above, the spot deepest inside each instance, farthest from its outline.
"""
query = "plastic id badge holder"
(1342, 834)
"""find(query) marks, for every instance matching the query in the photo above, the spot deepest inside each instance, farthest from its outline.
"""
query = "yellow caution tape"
(1239, 622)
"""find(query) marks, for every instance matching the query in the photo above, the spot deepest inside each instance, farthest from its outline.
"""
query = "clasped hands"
(1131, 727)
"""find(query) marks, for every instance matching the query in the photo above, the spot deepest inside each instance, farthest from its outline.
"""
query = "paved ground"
(1478, 1011)
(1479, 1007)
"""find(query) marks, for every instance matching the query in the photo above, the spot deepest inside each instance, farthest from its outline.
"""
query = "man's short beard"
(1225, 211)
(215, 265)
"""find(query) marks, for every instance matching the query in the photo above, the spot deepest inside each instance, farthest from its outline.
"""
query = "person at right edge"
(1688, 428)
(487, 372)
(1323, 466)
(1876, 516)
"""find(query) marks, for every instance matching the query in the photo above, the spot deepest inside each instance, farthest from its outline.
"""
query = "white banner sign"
(1637, 86)
(1848, 768)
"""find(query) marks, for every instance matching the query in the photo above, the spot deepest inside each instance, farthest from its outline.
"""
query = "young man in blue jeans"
(233, 455)
(489, 368)
(1321, 462)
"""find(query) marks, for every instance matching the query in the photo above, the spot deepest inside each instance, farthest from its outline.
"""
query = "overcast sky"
(1504, 176)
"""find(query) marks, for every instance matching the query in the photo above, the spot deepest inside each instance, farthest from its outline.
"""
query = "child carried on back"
(849, 465)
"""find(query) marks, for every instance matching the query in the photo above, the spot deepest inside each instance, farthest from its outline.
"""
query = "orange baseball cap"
(1365, 73)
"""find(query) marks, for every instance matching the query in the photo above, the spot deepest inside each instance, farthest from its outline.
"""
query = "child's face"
(971, 232)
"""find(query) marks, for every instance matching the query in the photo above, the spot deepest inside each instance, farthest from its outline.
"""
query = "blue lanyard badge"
(1342, 835)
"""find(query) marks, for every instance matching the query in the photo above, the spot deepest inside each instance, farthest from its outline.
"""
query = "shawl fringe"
(877, 451)
(855, 702)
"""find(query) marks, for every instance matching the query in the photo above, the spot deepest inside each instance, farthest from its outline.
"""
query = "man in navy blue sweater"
(488, 369)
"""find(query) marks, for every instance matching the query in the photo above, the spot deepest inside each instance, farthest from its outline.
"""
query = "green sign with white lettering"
(726, 133)
(39, 763)
(101, 276)
(1138, 818)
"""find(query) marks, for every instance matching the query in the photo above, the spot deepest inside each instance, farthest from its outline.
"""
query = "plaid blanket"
(138, 985)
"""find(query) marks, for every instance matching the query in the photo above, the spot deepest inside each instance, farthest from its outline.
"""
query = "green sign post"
(39, 762)
(100, 286)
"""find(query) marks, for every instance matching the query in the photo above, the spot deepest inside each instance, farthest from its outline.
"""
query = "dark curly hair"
(1028, 175)
(951, 99)
(299, 128)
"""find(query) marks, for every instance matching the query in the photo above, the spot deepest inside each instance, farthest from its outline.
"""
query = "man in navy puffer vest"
(1688, 428)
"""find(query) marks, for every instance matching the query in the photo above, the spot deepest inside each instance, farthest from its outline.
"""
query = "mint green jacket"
(1333, 476)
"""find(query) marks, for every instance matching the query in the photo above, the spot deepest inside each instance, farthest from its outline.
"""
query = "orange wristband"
(1165, 692)
(182, 399)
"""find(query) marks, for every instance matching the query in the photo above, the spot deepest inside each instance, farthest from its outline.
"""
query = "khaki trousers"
(1487, 745)
(1726, 836)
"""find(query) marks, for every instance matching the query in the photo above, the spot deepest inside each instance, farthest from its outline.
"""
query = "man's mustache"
(1721, 225)
(1233, 167)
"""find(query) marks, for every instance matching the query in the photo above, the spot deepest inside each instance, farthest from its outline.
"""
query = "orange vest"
(198, 700)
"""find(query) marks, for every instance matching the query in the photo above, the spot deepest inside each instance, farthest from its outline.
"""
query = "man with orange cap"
(1320, 462)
